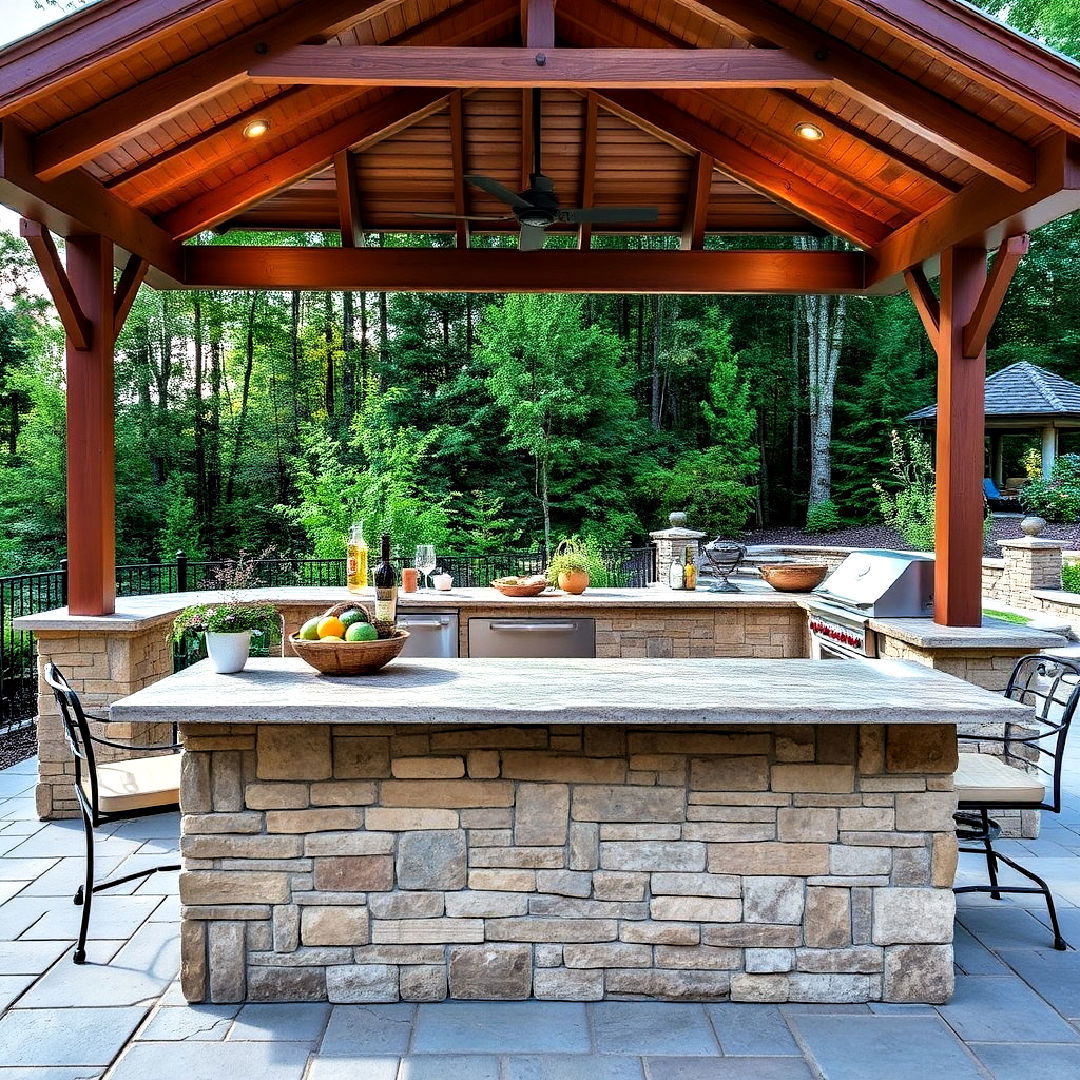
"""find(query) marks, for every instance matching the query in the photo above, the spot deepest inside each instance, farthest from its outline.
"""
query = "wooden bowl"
(520, 590)
(794, 577)
(349, 657)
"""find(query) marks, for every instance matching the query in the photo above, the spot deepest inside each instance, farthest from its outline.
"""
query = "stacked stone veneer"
(101, 668)
(362, 863)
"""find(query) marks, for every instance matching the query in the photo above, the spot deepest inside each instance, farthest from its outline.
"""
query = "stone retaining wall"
(363, 863)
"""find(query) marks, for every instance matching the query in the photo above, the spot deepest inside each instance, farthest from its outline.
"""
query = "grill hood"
(882, 584)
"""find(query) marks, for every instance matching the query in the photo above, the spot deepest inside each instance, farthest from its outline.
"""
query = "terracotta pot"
(574, 582)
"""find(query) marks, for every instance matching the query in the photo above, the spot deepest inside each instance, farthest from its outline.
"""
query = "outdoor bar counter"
(568, 829)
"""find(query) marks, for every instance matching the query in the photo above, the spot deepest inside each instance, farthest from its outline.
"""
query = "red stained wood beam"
(1006, 263)
(50, 60)
(127, 288)
(526, 138)
(588, 168)
(91, 460)
(175, 90)
(475, 271)
(658, 116)
(960, 449)
(574, 69)
(359, 131)
(348, 196)
(697, 204)
(78, 204)
(538, 23)
(926, 303)
(457, 167)
(76, 325)
(903, 100)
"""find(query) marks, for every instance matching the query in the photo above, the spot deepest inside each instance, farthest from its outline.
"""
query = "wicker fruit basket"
(349, 657)
(794, 577)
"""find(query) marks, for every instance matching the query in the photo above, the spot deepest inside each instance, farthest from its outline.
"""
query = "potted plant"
(569, 566)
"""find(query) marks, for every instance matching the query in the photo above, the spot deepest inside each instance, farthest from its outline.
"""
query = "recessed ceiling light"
(256, 129)
(808, 131)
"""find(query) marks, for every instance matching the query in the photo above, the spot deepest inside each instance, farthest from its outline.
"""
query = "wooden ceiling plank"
(348, 199)
(127, 288)
(77, 203)
(903, 100)
(357, 131)
(77, 326)
(574, 69)
(588, 168)
(507, 270)
(926, 302)
(538, 24)
(296, 107)
(747, 166)
(83, 137)
(697, 203)
(1006, 263)
(992, 54)
(45, 63)
(458, 168)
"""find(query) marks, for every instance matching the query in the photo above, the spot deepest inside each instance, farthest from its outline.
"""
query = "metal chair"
(985, 783)
(111, 791)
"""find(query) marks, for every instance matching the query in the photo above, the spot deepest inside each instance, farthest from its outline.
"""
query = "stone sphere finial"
(677, 520)
(1032, 525)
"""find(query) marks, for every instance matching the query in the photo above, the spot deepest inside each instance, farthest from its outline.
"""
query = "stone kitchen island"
(568, 829)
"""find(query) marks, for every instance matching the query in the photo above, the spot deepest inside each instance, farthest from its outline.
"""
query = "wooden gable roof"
(939, 125)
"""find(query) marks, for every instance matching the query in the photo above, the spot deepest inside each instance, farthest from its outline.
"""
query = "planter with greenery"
(569, 566)
(228, 628)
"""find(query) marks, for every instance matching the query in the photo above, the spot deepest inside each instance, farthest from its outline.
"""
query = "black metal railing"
(27, 594)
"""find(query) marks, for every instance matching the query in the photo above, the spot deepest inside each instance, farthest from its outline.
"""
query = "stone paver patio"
(1015, 1014)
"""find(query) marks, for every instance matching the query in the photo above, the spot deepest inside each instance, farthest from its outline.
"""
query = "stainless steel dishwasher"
(532, 637)
(431, 633)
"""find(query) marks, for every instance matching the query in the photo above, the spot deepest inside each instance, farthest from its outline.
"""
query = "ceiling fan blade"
(499, 191)
(460, 217)
(531, 238)
(600, 215)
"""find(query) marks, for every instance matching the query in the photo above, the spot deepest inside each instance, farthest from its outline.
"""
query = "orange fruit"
(331, 626)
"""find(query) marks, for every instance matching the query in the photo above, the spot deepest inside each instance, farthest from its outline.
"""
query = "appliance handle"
(424, 623)
(532, 627)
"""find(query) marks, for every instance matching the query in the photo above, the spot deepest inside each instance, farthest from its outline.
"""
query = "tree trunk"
(654, 358)
(199, 440)
(348, 361)
(241, 420)
(328, 337)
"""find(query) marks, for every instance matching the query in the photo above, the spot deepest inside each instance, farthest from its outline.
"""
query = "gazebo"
(921, 133)
(1022, 398)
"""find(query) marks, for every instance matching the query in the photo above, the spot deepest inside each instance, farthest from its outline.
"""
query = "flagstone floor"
(1015, 1015)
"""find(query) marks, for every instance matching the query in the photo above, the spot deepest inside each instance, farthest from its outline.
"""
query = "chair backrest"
(78, 735)
(990, 489)
(1051, 685)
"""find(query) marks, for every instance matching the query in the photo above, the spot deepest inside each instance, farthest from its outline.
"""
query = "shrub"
(1070, 577)
(822, 517)
(1056, 499)
(909, 506)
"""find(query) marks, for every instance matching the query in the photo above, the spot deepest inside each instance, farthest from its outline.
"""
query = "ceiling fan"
(537, 207)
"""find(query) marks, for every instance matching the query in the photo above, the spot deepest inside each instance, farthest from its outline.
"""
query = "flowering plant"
(231, 616)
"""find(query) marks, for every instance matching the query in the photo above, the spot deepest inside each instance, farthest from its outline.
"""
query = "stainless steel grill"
(869, 584)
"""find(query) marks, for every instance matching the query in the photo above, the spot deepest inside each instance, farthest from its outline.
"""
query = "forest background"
(493, 423)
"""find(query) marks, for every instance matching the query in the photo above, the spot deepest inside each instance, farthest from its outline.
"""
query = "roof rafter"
(358, 131)
(83, 137)
(903, 100)
(661, 118)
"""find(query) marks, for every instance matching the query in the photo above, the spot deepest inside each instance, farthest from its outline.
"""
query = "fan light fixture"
(256, 129)
(808, 131)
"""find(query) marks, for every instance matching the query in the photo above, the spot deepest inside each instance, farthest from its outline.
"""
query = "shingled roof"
(1022, 390)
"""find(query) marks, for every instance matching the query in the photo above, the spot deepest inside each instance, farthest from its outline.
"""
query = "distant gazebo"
(1022, 397)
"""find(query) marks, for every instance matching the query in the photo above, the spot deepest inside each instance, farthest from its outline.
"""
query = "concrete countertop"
(480, 691)
(993, 634)
(136, 613)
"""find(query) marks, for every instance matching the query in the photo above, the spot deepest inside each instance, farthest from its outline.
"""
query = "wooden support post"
(588, 168)
(457, 167)
(91, 467)
(959, 509)
(348, 197)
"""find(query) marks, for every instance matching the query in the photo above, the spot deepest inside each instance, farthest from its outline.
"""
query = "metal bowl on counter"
(794, 577)
(349, 657)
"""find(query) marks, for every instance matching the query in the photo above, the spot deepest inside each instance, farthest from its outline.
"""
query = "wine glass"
(425, 560)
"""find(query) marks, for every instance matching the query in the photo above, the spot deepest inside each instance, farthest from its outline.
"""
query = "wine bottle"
(386, 587)
(356, 575)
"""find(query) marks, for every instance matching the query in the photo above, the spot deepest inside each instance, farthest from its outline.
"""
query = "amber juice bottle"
(357, 562)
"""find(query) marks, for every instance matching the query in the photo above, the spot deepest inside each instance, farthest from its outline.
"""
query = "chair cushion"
(985, 780)
(137, 783)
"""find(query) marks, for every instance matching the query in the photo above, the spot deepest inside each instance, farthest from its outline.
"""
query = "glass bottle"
(675, 573)
(690, 571)
(357, 561)
(386, 587)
